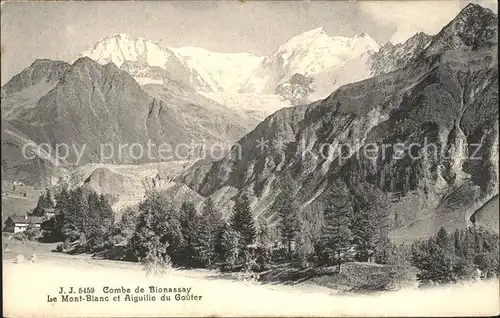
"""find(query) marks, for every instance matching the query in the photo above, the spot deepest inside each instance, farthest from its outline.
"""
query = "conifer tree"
(39, 210)
(75, 208)
(435, 262)
(242, 221)
(337, 236)
(158, 233)
(304, 241)
(468, 244)
(44, 202)
(190, 227)
(288, 215)
(89, 218)
(229, 243)
(99, 221)
(371, 224)
(264, 243)
(62, 201)
(443, 260)
(124, 229)
(209, 229)
(48, 199)
(458, 244)
(443, 239)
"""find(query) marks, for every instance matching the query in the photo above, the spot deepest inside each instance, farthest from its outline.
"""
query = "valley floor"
(29, 285)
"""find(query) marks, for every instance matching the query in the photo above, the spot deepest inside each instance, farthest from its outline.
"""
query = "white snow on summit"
(212, 71)
(308, 53)
(238, 79)
(121, 47)
(228, 70)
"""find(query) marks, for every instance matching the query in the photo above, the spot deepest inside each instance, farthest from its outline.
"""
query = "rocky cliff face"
(431, 129)
(392, 57)
(40, 71)
(22, 90)
(15, 166)
(487, 215)
(296, 89)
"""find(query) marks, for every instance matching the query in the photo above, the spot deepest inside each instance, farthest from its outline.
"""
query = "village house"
(17, 224)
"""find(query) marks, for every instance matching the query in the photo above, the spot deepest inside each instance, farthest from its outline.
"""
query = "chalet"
(18, 224)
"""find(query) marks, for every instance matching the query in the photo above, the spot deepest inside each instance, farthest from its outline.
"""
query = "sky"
(62, 30)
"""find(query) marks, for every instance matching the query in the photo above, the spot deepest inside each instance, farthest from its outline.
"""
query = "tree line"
(165, 236)
(354, 226)
(80, 215)
(448, 258)
(350, 226)
(155, 232)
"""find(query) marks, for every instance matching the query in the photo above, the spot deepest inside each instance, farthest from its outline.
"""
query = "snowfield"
(309, 53)
(228, 70)
(252, 104)
(210, 295)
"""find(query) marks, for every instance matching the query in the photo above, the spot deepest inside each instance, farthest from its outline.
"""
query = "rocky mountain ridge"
(203, 70)
(330, 61)
(309, 54)
(87, 104)
(445, 95)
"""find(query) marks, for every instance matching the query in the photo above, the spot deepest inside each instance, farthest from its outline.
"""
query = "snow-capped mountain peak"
(312, 33)
(313, 54)
(365, 41)
(204, 70)
(315, 37)
(318, 40)
(308, 53)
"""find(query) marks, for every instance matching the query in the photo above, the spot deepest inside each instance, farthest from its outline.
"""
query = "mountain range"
(330, 61)
(445, 94)
(314, 90)
(86, 103)
(130, 90)
(308, 53)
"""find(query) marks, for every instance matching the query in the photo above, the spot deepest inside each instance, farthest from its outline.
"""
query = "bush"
(279, 255)
(250, 262)
(66, 245)
(63, 247)
(32, 233)
(353, 276)
(120, 238)
(445, 259)
(60, 248)
(157, 240)
(156, 263)
(392, 254)
(487, 263)
(263, 258)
